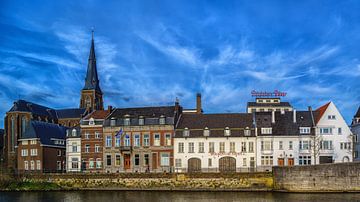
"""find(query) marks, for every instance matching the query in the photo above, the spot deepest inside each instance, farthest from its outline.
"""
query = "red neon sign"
(276, 93)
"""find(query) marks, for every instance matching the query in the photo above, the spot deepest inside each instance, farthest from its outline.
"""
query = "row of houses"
(170, 138)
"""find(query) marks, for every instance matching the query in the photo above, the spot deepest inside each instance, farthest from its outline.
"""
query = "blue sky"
(150, 52)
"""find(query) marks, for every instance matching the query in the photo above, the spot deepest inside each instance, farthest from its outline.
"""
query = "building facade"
(73, 150)
(215, 143)
(140, 139)
(268, 105)
(42, 148)
(355, 129)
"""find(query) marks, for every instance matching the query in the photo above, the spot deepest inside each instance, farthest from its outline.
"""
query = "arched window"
(87, 101)
(23, 125)
(74, 132)
(12, 138)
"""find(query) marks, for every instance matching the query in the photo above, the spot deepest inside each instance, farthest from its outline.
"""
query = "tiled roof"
(35, 109)
(45, 131)
(269, 104)
(146, 112)
(97, 114)
(70, 113)
(216, 123)
(321, 110)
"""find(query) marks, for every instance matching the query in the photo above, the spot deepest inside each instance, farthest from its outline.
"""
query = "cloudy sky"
(150, 52)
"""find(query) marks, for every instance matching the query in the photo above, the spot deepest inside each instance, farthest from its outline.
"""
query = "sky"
(151, 52)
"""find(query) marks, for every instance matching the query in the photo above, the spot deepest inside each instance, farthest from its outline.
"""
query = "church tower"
(91, 95)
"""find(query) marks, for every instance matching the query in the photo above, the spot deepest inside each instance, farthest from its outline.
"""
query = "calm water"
(147, 196)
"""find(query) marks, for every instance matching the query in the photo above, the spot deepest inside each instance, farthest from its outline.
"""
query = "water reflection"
(147, 196)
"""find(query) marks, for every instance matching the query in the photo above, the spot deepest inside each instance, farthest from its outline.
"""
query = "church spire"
(91, 80)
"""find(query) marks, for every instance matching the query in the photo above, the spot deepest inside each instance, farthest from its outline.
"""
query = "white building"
(268, 105)
(73, 150)
(214, 143)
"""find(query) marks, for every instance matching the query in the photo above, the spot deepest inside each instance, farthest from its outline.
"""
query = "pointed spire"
(91, 80)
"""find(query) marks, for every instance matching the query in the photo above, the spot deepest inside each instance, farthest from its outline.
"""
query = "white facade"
(73, 152)
(242, 149)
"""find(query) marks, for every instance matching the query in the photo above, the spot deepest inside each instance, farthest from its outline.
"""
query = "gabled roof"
(357, 113)
(216, 123)
(146, 112)
(45, 132)
(97, 114)
(70, 113)
(35, 109)
(321, 110)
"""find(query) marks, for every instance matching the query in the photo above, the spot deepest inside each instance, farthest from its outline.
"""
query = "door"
(326, 159)
(154, 161)
(127, 161)
(280, 161)
(227, 164)
(194, 165)
(290, 161)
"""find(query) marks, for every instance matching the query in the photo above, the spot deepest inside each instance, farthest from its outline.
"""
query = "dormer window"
(112, 122)
(73, 132)
(266, 130)
(227, 131)
(206, 132)
(186, 132)
(127, 121)
(162, 120)
(91, 122)
(304, 130)
(141, 121)
(247, 131)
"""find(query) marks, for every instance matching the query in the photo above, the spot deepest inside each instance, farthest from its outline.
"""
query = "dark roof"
(45, 131)
(97, 114)
(216, 123)
(269, 104)
(357, 113)
(70, 113)
(35, 109)
(284, 124)
(69, 132)
(91, 80)
(146, 112)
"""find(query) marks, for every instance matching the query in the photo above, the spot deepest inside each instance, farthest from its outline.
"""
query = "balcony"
(125, 148)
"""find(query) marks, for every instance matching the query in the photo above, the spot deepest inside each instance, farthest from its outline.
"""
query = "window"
(146, 159)
(97, 148)
(127, 121)
(304, 130)
(227, 131)
(24, 152)
(178, 163)
(168, 139)
(211, 147)
(141, 121)
(266, 145)
(108, 160)
(186, 132)
(339, 131)
(87, 148)
(331, 117)
(206, 132)
(232, 147)
(261, 109)
(137, 140)
(210, 162)
(181, 147)
(117, 141)
(33, 142)
(112, 122)
(74, 163)
(73, 132)
(97, 135)
(281, 145)
(326, 131)
(162, 120)
(23, 125)
(117, 159)
(87, 135)
(26, 165)
(222, 147)
(266, 130)
(74, 147)
(146, 140)
(91, 163)
(304, 145)
(345, 145)
(247, 132)
(243, 146)
(108, 141)
(58, 165)
(91, 121)
(290, 145)
(251, 147)
(165, 159)
(326, 145)
(136, 159)
(98, 163)
(33, 152)
(25, 142)
(244, 162)
(191, 147)
(266, 160)
(201, 147)
(127, 140)
(157, 140)
(32, 165)
(304, 160)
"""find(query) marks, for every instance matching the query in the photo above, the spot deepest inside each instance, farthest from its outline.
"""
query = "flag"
(118, 134)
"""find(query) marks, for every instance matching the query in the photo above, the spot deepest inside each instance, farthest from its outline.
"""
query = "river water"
(149, 196)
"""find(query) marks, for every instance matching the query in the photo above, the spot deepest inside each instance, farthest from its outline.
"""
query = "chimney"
(177, 105)
(294, 115)
(109, 108)
(273, 116)
(198, 103)
(309, 108)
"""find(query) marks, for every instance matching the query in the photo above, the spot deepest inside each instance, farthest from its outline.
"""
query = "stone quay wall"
(340, 177)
